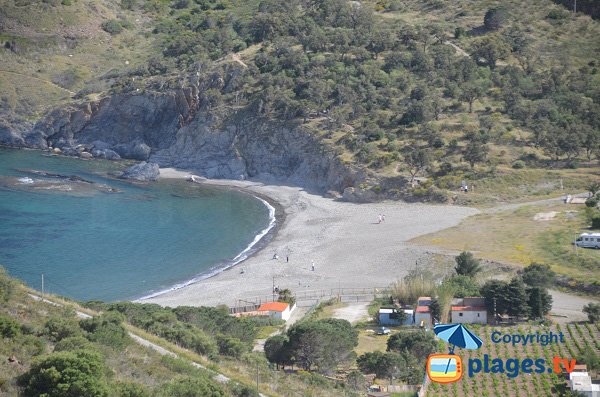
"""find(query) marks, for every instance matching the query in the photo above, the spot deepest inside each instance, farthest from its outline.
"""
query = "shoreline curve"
(260, 241)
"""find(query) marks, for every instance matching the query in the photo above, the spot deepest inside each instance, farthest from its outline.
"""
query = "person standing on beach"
(313, 266)
(287, 259)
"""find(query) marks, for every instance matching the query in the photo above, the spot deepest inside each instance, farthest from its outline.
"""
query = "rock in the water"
(85, 155)
(142, 172)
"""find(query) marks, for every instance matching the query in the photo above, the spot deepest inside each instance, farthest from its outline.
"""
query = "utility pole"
(575, 7)
(258, 391)
(42, 285)
(273, 289)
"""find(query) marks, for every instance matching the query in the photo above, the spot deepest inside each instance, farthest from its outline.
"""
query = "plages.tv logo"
(448, 368)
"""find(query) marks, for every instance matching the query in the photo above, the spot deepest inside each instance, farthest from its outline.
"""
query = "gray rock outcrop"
(173, 129)
(142, 172)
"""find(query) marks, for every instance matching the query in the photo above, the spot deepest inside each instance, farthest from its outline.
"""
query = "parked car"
(383, 331)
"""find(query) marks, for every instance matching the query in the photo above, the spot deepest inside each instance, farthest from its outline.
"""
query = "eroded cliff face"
(173, 129)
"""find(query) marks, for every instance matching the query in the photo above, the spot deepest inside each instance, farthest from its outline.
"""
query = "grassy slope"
(63, 49)
(138, 364)
(134, 363)
(514, 237)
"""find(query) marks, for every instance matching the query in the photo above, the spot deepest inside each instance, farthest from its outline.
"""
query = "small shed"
(423, 316)
(279, 310)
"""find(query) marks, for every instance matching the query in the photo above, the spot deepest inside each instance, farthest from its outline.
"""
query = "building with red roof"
(469, 310)
(423, 317)
(279, 310)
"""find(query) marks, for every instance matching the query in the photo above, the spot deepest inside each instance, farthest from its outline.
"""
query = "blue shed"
(390, 317)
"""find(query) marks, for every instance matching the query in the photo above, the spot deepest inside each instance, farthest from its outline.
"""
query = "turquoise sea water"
(93, 244)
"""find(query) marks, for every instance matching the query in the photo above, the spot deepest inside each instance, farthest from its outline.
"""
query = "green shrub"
(66, 374)
(112, 26)
(9, 328)
(421, 344)
(58, 328)
(129, 389)
(31, 345)
(128, 4)
(239, 390)
(591, 202)
(459, 32)
(229, 346)
(596, 221)
(191, 387)
(107, 329)
(519, 164)
(557, 14)
(73, 343)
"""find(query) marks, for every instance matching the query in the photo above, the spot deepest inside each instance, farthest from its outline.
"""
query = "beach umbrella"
(457, 335)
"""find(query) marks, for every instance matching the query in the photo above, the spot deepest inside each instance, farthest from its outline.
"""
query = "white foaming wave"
(216, 270)
(26, 180)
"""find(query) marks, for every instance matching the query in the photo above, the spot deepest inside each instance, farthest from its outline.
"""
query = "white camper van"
(588, 240)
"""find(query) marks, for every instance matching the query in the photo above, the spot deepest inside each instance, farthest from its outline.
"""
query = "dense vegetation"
(206, 330)
(450, 90)
(47, 351)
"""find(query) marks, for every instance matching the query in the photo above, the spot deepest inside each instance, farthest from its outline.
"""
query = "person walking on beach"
(287, 259)
(312, 266)
(383, 218)
(379, 218)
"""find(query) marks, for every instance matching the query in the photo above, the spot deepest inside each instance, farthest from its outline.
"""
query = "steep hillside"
(382, 90)
(48, 348)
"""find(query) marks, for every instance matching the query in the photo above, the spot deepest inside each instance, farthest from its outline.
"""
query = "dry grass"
(369, 341)
(514, 237)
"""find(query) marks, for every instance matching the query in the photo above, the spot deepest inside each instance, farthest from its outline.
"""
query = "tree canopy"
(467, 264)
(420, 343)
(321, 344)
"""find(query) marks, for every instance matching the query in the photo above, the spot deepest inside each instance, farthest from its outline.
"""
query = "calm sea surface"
(93, 244)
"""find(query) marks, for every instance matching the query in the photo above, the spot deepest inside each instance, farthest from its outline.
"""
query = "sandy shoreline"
(345, 242)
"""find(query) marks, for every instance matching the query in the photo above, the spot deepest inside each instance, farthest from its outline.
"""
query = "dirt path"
(457, 48)
(567, 308)
(352, 312)
(514, 206)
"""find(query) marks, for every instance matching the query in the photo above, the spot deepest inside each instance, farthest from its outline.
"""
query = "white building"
(582, 382)
(279, 310)
(469, 310)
